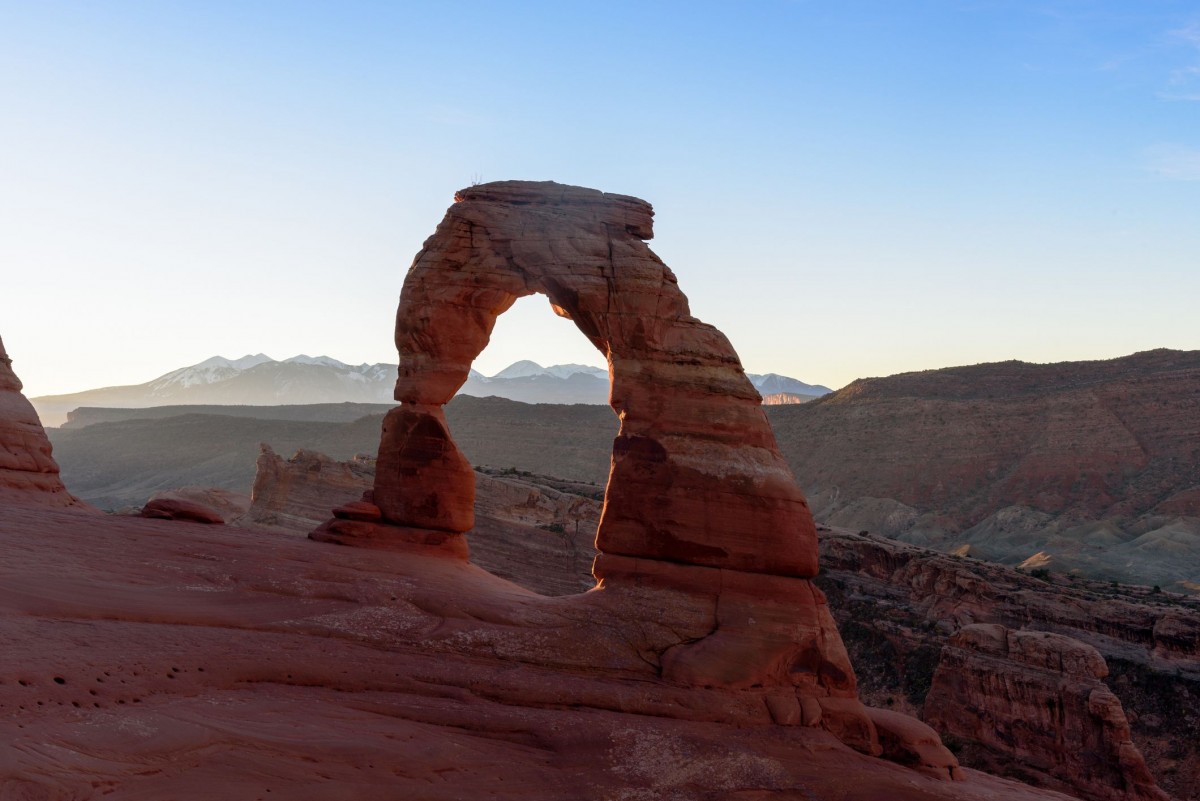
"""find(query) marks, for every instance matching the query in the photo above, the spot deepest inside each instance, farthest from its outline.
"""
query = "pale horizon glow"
(845, 191)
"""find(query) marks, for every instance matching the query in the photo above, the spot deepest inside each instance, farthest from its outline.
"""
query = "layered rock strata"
(898, 605)
(701, 514)
(296, 494)
(1041, 697)
(1087, 467)
(28, 472)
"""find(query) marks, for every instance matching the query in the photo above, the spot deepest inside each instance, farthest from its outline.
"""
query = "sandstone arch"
(706, 544)
(696, 475)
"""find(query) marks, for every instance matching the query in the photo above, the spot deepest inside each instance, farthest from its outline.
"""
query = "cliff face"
(1040, 698)
(1086, 465)
(28, 472)
(296, 494)
(1088, 439)
(899, 606)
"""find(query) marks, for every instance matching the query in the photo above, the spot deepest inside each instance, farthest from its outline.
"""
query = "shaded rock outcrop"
(898, 605)
(296, 494)
(704, 537)
(1041, 697)
(180, 509)
(535, 535)
(28, 472)
(199, 504)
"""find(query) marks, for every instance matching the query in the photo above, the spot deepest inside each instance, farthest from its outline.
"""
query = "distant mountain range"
(259, 380)
(1091, 467)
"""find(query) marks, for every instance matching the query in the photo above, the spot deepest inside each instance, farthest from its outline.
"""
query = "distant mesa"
(259, 380)
(1087, 466)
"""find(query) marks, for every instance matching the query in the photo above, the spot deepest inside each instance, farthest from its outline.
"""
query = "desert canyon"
(688, 633)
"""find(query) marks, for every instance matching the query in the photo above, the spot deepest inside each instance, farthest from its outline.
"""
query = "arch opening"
(539, 472)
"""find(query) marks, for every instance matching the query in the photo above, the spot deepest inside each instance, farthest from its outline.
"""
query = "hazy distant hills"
(119, 457)
(1092, 466)
(252, 380)
(259, 380)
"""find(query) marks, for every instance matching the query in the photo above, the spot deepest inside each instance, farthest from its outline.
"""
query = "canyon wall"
(1040, 698)
(898, 607)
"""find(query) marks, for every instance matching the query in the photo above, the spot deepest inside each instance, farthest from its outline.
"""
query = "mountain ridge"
(259, 380)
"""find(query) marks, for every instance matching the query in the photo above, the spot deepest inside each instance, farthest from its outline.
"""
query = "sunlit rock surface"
(28, 473)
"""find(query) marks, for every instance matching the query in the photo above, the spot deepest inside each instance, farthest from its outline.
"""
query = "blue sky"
(845, 188)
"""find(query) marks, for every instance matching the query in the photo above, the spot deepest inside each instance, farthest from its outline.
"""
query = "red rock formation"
(910, 742)
(1040, 696)
(703, 528)
(226, 505)
(960, 591)
(694, 442)
(28, 473)
(529, 533)
(297, 494)
(180, 509)
(785, 399)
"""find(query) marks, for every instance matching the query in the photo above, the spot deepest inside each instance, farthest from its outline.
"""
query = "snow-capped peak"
(244, 363)
(770, 383)
(521, 369)
(568, 370)
(325, 361)
(528, 369)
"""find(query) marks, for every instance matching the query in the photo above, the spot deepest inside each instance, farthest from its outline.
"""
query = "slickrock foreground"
(149, 659)
(28, 473)
(1041, 697)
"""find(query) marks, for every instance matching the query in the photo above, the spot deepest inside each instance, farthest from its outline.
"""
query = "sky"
(846, 189)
